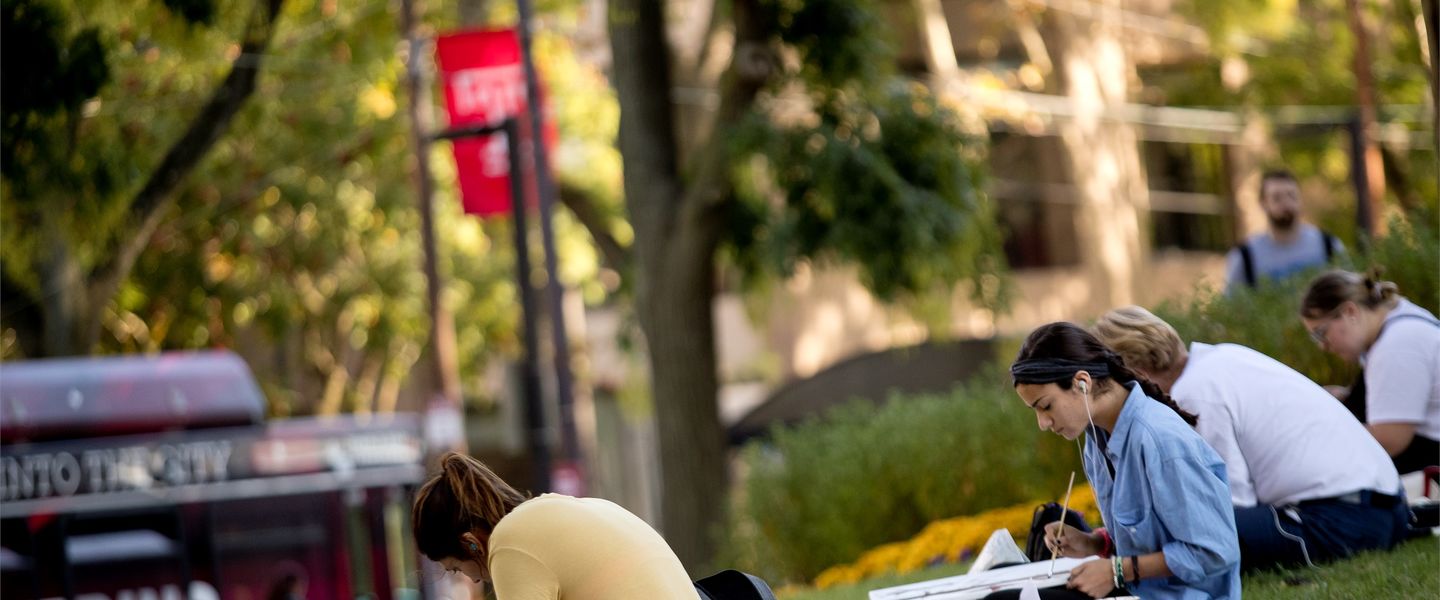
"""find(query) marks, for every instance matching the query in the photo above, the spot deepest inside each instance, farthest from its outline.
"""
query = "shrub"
(824, 492)
(1267, 318)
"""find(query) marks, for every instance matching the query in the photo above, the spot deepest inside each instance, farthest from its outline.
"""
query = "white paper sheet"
(979, 585)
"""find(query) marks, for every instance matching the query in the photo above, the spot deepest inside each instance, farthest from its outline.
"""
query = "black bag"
(733, 585)
(1046, 514)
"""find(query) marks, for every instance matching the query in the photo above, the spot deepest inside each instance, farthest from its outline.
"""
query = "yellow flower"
(946, 540)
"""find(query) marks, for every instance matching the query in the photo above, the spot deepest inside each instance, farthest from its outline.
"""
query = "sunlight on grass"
(1411, 571)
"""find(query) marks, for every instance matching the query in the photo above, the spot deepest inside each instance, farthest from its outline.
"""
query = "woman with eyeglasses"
(1365, 320)
(471, 522)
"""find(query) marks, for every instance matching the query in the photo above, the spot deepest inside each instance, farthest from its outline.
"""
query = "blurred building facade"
(1106, 197)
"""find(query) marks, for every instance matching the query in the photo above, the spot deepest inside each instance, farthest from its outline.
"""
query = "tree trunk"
(1365, 101)
(674, 251)
(64, 300)
(680, 333)
(1243, 166)
(1104, 156)
(1431, 10)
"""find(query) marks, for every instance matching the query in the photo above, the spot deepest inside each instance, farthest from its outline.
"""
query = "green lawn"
(1411, 571)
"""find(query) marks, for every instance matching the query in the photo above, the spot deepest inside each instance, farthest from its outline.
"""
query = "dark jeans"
(1316, 531)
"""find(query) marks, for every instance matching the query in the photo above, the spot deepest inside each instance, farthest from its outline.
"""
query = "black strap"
(1247, 263)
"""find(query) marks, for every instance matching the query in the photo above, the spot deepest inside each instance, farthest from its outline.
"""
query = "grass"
(860, 591)
(1410, 571)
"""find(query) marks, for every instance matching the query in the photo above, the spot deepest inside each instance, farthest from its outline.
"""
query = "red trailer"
(157, 478)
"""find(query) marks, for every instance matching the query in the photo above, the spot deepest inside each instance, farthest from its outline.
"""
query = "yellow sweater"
(556, 546)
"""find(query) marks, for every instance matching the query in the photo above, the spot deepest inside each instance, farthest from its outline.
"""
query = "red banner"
(485, 84)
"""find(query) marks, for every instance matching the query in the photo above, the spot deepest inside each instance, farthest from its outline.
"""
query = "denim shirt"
(1168, 493)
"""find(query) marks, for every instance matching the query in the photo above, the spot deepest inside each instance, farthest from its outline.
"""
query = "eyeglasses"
(1319, 333)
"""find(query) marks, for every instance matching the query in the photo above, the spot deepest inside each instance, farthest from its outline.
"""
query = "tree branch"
(641, 77)
(751, 67)
(580, 203)
(149, 205)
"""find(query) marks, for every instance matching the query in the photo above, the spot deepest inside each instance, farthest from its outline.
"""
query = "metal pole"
(446, 392)
(445, 387)
(538, 435)
(530, 374)
(570, 446)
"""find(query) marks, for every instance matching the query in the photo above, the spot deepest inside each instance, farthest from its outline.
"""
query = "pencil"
(1064, 510)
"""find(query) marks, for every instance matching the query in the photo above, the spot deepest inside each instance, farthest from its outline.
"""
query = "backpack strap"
(1330, 242)
(1247, 263)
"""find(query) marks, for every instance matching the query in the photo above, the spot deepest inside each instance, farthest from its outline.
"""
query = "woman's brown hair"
(464, 497)
(1070, 343)
(1333, 288)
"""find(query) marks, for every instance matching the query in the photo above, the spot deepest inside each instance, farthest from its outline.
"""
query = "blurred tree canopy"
(295, 240)
(84, 192)
(1283, 53)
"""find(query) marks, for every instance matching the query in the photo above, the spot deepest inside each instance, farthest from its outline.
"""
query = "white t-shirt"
(1402, 371)
(1283, 438)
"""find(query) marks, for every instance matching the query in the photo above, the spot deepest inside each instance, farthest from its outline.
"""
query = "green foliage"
(296, 241)
(47, 68)
(838, 42)
(1267, 318)
(1410, 256)
(88, 113)
(878, 173)
(880, 186)
(1302, 54)
(823, 492)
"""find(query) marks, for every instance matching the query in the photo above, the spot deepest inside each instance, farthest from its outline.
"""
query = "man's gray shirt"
(1274, 260)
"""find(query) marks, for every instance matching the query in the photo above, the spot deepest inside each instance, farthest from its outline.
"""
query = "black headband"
(1052, 370)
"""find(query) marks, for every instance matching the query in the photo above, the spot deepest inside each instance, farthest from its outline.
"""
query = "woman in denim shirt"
(1161, 489)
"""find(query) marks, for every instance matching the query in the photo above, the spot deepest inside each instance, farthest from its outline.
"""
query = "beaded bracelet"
(1119, 571)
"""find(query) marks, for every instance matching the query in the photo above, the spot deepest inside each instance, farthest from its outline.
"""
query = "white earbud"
(1084, 387)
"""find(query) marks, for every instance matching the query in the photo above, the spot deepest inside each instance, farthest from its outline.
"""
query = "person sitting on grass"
(471, 522)
(1160, 488)
(1365, 320)
(1309, 484)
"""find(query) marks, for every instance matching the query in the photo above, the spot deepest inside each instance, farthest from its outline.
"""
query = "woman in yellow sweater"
(471, 522)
